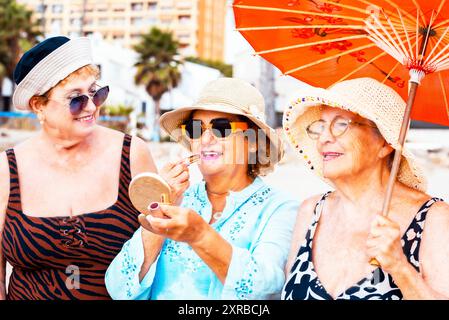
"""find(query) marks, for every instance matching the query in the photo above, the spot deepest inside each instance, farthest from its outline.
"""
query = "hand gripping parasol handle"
(398, 154)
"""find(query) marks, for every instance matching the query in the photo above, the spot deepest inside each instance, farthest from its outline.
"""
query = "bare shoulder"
(434, 251)
(140, 157)
(438, 217)
(4, 174)
(307, 207)
(304, 216)
(139, 145)
(110, 135)
(441, 208)
(436, 232)
(4, 185)
(27, 146)
(436, 227)
(110, 140)
(310, 203)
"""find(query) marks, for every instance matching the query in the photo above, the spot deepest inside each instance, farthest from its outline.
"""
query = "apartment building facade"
(199, 25)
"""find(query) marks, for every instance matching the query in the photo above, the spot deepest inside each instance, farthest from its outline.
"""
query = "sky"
(234, 42)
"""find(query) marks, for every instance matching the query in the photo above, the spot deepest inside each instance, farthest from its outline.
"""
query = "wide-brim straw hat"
(46, 64)
(228, 95)
(366, 97)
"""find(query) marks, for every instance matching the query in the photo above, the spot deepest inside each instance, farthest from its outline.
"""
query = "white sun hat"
(366, 97)
(43, 66)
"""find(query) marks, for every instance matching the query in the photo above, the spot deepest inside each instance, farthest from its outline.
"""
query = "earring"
(41, 118)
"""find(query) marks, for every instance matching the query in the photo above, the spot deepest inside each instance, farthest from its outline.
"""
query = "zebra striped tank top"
(62, 257)
(303, 282)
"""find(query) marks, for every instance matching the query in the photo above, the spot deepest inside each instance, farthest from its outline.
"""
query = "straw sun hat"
(228, 95)
(364, 96)
(47, 63)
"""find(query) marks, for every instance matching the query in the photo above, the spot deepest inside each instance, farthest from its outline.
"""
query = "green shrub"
(116, 110)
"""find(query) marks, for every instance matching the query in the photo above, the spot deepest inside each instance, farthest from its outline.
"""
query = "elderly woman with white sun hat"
(347, 135)
(65, 211)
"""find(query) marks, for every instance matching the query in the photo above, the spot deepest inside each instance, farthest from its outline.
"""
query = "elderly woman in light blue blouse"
(229, 237)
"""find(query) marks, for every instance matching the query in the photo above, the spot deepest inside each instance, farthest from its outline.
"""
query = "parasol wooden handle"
(398, 155)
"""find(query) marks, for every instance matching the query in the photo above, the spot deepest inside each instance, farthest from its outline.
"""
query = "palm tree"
(17, 34)
(157, 67)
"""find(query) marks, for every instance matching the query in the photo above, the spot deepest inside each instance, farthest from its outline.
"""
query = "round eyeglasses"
(337, 127)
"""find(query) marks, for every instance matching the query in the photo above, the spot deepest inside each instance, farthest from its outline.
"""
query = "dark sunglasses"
(221, 127)
(79, 103)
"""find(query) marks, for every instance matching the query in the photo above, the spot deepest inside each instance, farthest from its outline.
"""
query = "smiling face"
(359, 148)
(56, 106)
(224, 156)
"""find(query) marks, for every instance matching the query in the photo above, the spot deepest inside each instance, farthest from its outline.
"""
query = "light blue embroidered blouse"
(258, 223)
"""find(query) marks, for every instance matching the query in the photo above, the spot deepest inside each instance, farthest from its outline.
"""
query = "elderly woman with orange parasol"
(347, 135)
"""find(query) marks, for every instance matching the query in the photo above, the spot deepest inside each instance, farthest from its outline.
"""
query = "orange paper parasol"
(324, 42)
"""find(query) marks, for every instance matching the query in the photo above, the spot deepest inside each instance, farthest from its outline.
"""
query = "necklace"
(217, 194)
(217, 215)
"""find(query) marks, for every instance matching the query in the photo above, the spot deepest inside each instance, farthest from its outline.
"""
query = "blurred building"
(278, 90)
(211, 29)
(199, 25)
(117, 70)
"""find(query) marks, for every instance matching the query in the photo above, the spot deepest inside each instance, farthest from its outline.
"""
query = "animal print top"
(63, 258)
(303, 282)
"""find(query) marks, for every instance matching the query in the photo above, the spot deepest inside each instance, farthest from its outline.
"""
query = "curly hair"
(259, 162)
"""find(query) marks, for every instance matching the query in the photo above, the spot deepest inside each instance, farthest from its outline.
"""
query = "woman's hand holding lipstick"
(176, 174)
